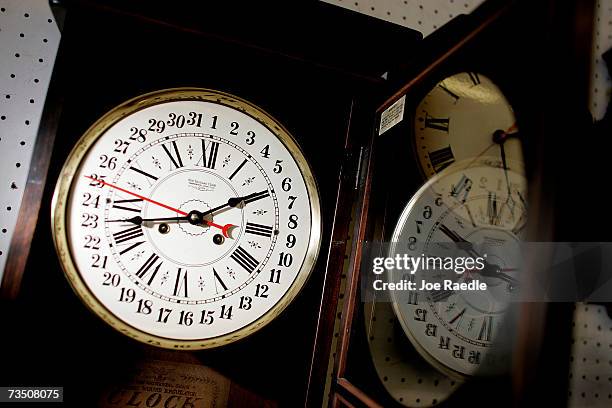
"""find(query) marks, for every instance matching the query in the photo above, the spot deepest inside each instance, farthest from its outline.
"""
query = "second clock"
(463, 117)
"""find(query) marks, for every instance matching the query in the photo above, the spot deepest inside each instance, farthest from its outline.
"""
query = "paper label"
(168, 384)
(393, 115)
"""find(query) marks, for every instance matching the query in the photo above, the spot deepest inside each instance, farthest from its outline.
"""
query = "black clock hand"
(138, 220)
(232, 202)
(500, 137)
(493, 271)
(489, 269)
(458, 238)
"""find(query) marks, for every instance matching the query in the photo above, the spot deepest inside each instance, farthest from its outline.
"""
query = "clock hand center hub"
(196, 225)
(499, 136)
(501, 249)
(195, 217)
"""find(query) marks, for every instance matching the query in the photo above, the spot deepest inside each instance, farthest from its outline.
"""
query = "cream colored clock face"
(464, 211)
(458, 119)
(187, 218)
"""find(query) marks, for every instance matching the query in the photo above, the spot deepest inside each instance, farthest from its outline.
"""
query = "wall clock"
(482, 205)
(464, 116)
(187, 218)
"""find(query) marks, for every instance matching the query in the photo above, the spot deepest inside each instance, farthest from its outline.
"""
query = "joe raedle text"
(446, 284)
(409, 265)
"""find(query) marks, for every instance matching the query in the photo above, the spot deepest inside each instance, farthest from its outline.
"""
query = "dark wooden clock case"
(524, 47)
(317, 69)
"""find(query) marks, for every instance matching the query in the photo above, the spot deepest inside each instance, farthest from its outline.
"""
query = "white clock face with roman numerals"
(475, 211)
(464, 116)
(187, 218)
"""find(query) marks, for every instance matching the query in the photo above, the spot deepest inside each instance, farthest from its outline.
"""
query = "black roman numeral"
(474, 78)
(458, 318)
(493, 209)
(180, 284)
(146, 267)
(258, 196)
(464, 186)
(128, 249)
(258, 229)
(131, 200)
(128, 234)
(144, 173)
(218, 279)
(177, 161)
(244, 259)
(238, 169)
(437, 123)
(451, 93)
(209, 154)
(440, 295)
(486, 329)
(442, 158)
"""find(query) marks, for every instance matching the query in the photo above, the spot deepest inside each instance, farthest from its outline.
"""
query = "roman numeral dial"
(234, 199)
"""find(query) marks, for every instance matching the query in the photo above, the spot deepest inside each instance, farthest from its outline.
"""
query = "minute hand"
(234, 202)
(458, 238)
(490, 269)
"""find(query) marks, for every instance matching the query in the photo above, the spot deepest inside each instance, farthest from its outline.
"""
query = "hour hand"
(494, 271)
(234, 202)
(467, 245)
(138, 220)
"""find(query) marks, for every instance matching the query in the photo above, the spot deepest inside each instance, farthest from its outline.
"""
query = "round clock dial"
(477, 211)
(464, 116)
(187, 218)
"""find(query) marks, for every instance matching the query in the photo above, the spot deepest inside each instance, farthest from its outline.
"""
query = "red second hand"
(138, 196)
(224, 228)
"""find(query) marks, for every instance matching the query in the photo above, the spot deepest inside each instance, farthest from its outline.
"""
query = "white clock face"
(190, 221)
(463, 331)
(458, 119)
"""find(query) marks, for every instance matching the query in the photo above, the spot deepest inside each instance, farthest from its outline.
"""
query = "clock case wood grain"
(304, 62)
(524, 47)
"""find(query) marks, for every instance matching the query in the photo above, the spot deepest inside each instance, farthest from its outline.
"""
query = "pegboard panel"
(29, 38)
(590, 375)
(425, 16)
(601, 84)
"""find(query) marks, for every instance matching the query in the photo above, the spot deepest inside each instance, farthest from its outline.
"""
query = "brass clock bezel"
(89, 138)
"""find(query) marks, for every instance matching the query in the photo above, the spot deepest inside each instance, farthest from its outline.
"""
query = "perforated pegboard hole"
(422, 15)
(27, 51)
(590, 375)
